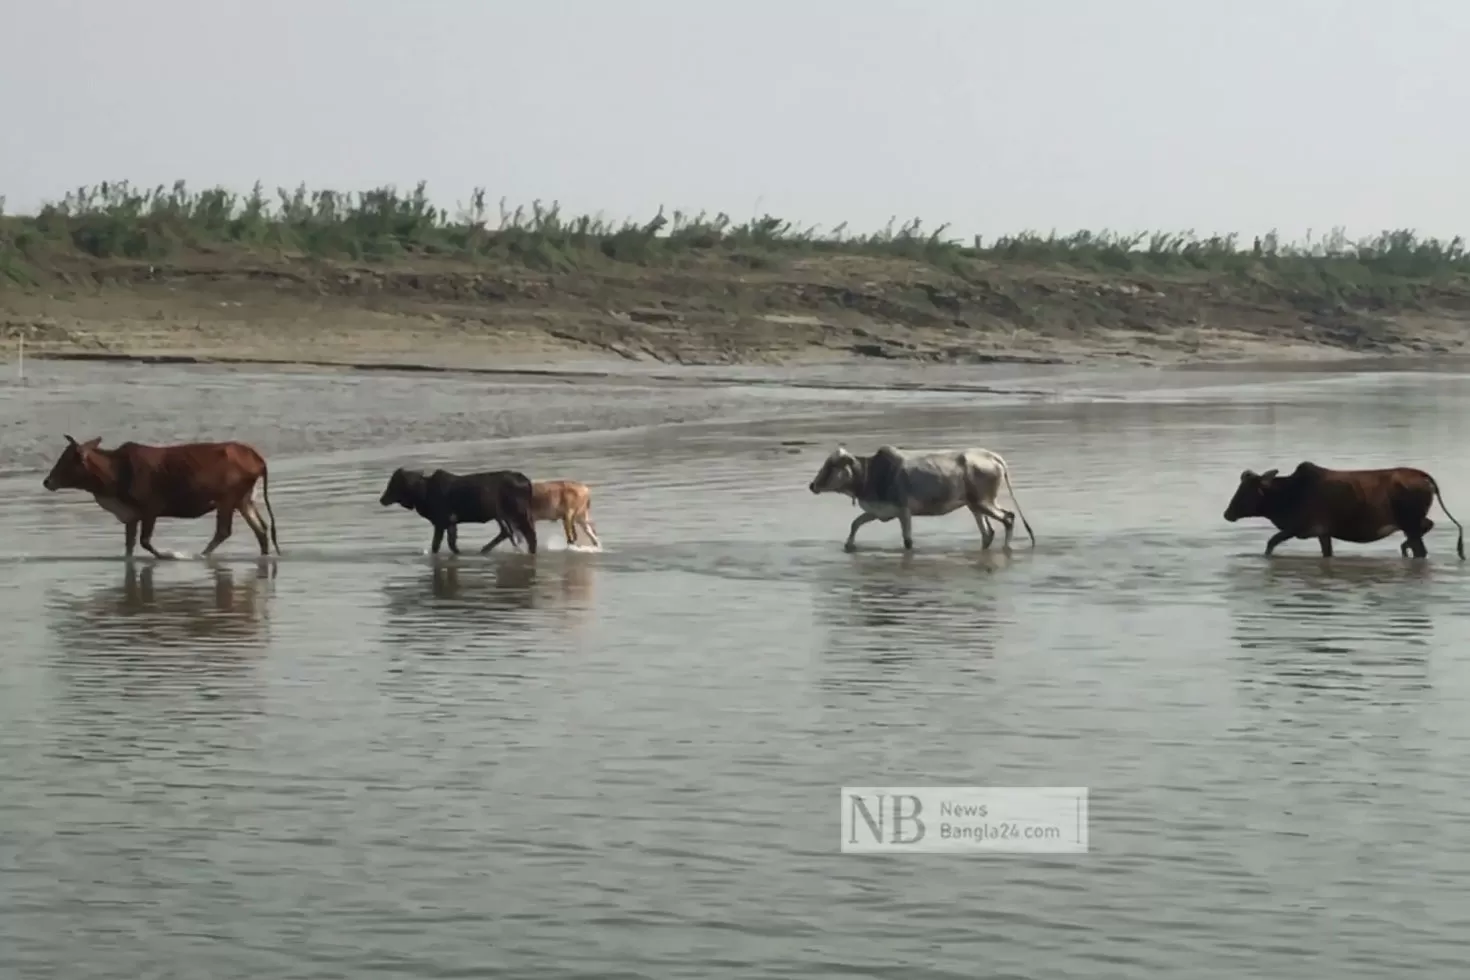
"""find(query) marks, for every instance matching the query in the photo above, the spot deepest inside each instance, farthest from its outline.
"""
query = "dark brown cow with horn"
(138, 484)
(1360, 506)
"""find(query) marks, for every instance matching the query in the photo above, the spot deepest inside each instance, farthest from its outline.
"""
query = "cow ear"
(1245, 475)
(92, 443)
(69, 440)
(1268, 476)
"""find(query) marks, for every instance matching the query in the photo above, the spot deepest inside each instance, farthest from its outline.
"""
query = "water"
(359, 761)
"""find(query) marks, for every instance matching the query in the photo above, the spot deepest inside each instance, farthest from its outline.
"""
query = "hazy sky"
(993, 116)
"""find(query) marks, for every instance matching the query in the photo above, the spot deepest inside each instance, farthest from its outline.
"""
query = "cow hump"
(884, 469)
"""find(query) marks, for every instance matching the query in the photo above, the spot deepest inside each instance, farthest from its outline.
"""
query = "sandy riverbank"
(824, 310)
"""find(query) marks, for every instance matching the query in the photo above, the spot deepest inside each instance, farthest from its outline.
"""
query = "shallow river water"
(358, 761)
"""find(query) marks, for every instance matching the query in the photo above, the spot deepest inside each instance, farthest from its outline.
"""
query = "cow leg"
(528, 531)
(438, 538)
(1325, 540)
(857, 522)
(224, 522)
(568, 528)
(452, 533)
(982, 512)
(905, 524)
(130, 538)
(504, 533)
(586, 521)
(145, 536)
(987, 533)
(1006, 518)
(1276, 539)
(1415, 542)
(252, 518)
(1414, 527)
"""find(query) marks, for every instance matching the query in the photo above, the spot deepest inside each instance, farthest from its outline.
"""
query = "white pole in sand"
(20, 360)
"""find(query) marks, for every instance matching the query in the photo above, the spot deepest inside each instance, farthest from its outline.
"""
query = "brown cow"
(566, 501)
(1350, 505)
(138, 484)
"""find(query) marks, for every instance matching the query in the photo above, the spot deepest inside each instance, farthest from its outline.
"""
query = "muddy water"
(356, 760)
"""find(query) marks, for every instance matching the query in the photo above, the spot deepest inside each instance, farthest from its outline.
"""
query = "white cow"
(891, 484)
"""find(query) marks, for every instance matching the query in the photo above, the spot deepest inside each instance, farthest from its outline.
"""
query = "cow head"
(76, 468)
(1251, 496)
(839, 474)
(405, 488)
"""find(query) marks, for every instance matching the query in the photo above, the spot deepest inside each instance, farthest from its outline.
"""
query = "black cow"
(446, 500)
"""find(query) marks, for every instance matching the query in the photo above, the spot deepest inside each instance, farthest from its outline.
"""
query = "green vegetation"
(116, 221)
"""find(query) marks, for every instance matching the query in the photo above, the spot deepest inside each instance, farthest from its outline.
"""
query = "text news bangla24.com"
(964, 819)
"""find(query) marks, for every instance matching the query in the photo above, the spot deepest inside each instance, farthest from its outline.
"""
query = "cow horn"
(70, 441)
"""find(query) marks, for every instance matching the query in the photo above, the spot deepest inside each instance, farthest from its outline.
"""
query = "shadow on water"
(493, 596)
(884, 614)
(1356, 627)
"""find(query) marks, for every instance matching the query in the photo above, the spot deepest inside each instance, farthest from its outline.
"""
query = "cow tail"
(1012, 491)
(1460, 541)
(265, 492)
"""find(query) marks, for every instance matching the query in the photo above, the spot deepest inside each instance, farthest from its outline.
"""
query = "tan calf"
(566, 501)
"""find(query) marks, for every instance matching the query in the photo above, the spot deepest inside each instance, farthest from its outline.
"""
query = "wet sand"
(359, 759)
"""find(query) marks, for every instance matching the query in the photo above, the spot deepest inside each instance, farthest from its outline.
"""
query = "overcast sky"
(992, 116)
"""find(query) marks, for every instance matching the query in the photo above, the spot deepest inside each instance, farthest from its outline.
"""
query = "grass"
(118, 221)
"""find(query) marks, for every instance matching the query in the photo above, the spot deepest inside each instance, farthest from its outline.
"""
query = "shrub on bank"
(117, 221)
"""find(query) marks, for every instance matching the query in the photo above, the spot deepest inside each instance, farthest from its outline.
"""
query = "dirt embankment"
(822, 307)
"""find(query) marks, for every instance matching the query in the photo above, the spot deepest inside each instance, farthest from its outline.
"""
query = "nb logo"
(884, 818)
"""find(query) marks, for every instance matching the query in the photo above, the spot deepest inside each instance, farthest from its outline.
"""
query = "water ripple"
(357, 759)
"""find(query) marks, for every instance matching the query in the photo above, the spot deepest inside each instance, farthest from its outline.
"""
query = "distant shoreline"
(190, 322)
(388, 279)
(614, 371)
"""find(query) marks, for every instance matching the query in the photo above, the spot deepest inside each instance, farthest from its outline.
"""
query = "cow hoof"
(849, 547)
(908, 546)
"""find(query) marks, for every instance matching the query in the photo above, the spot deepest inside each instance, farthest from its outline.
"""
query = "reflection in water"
(153, 640)
(491, 596)
(142, 613)
(885, 612)
(1343, 624)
